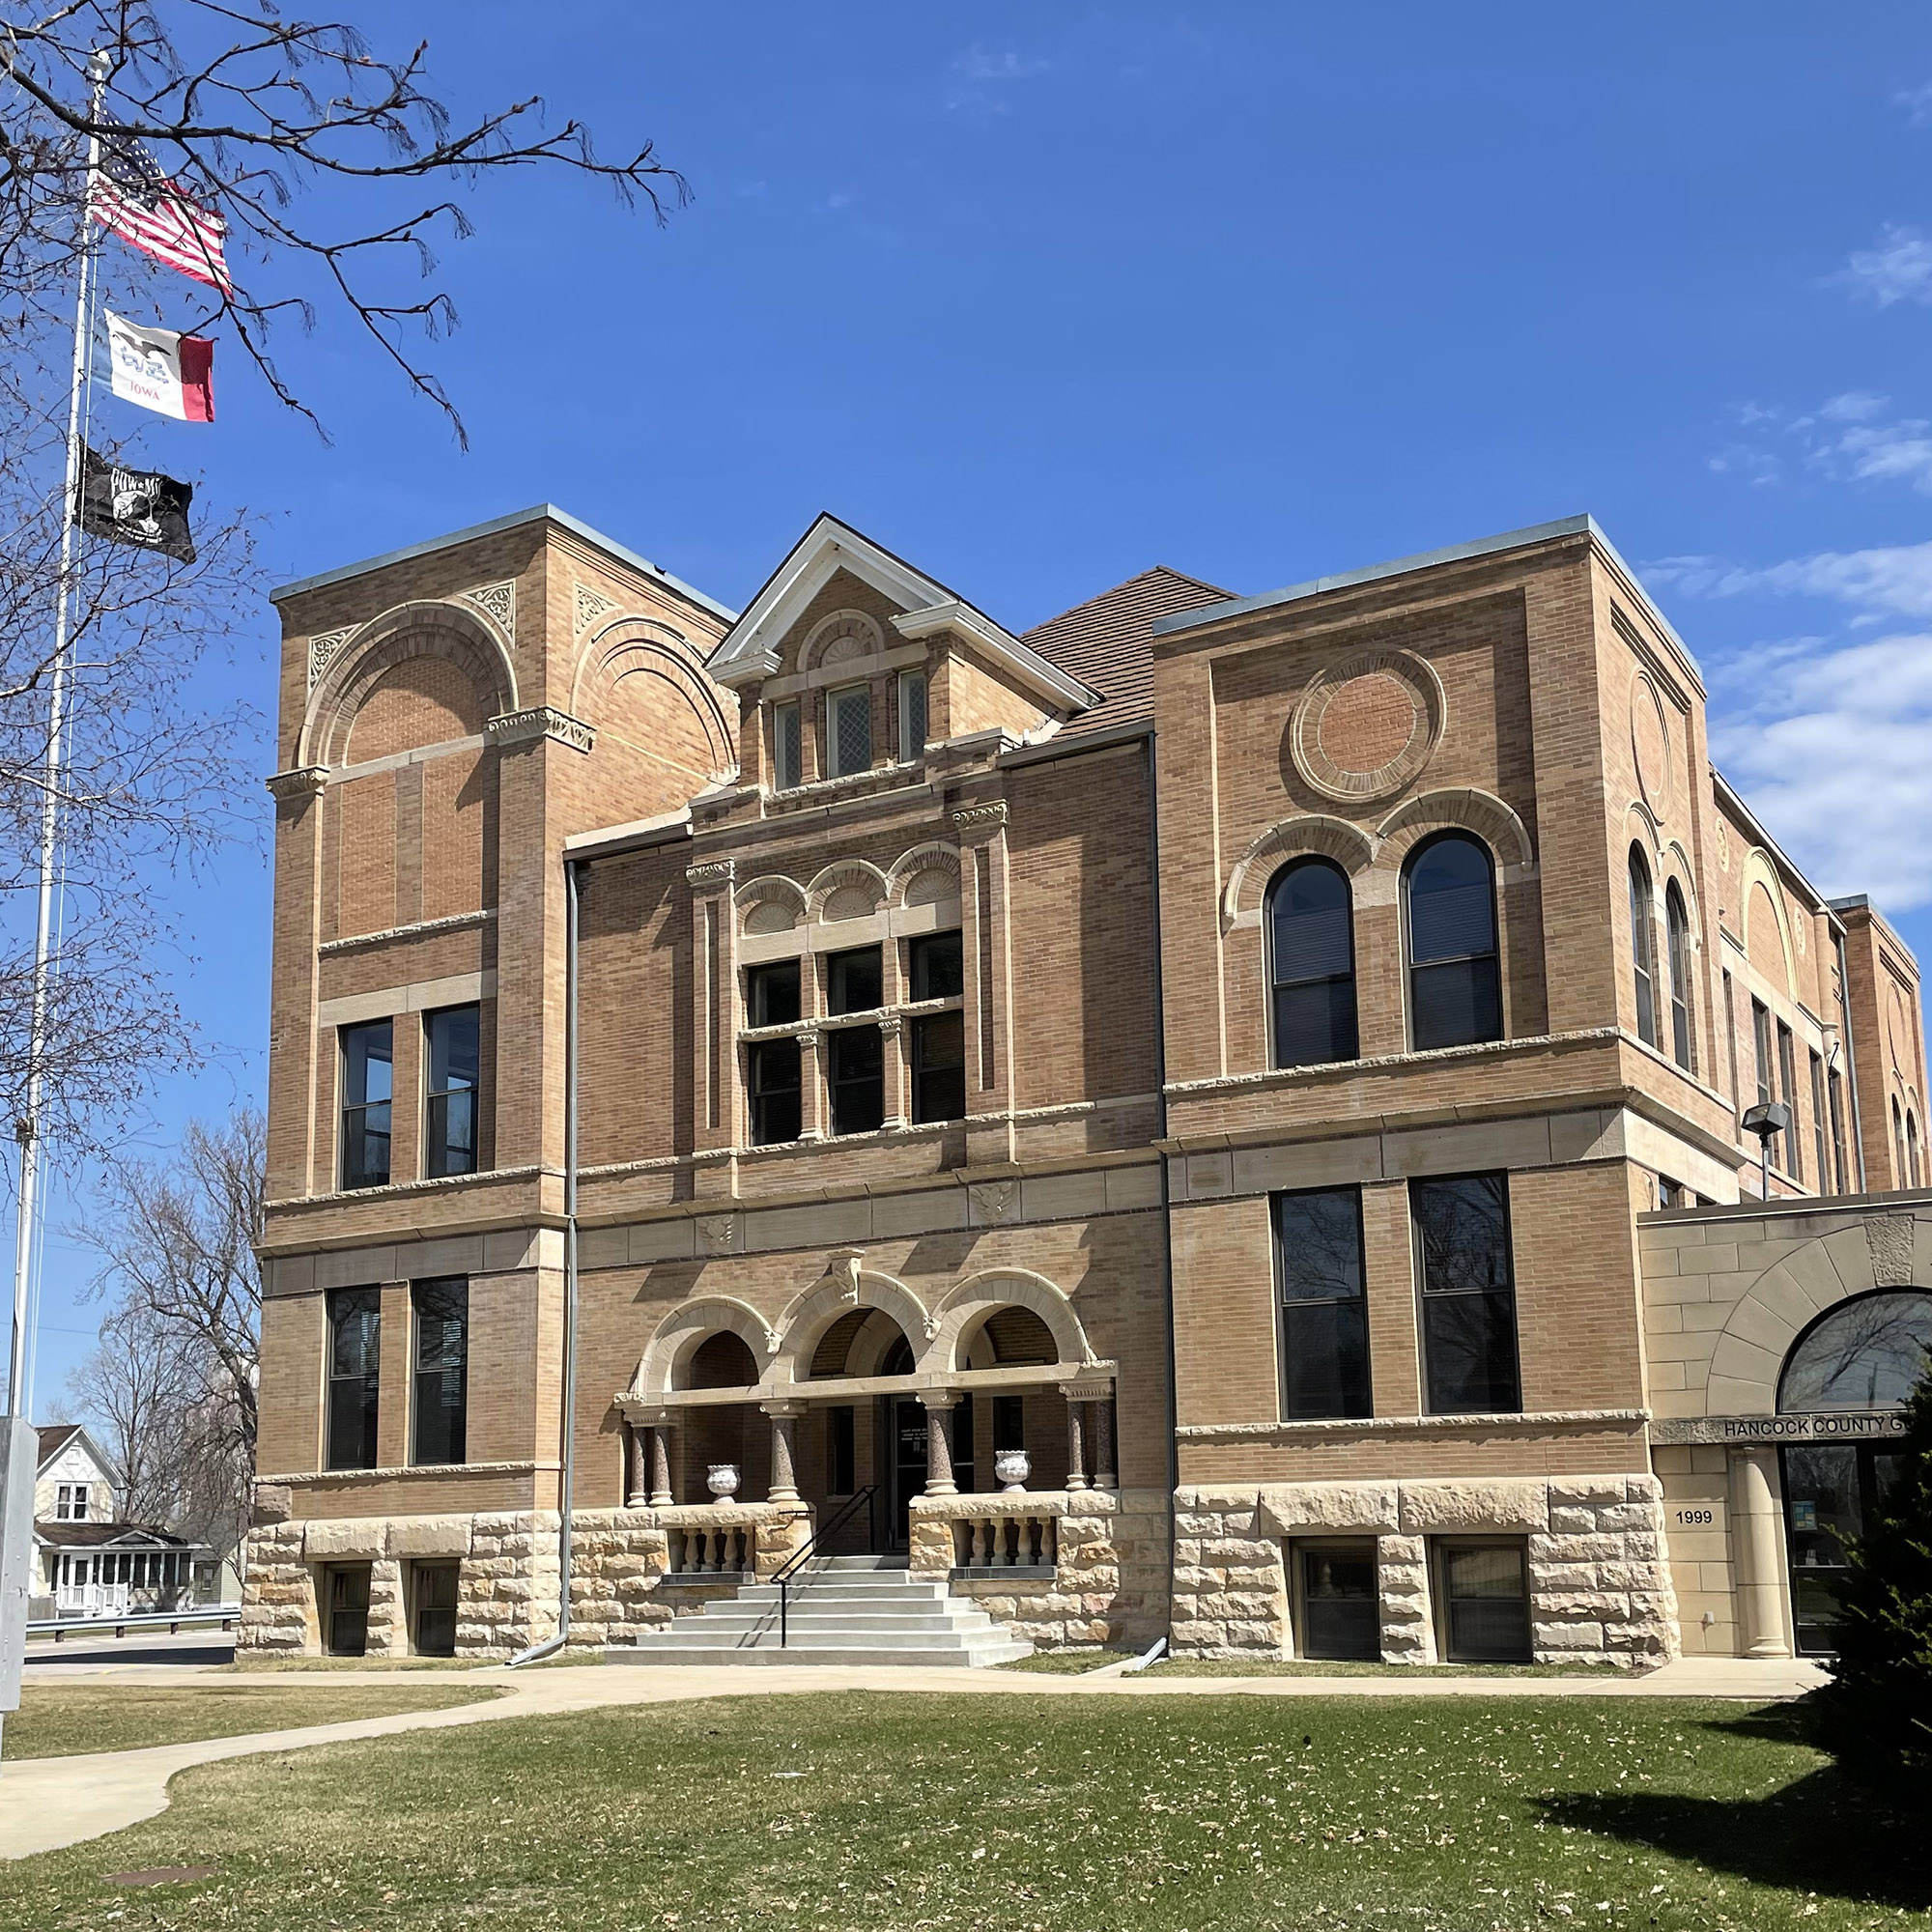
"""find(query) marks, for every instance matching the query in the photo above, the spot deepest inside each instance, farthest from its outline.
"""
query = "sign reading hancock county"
(134, 506)
(1847, 1425)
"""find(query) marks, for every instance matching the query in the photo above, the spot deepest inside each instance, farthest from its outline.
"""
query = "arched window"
(1455, 978)
(1677, 936)
(1911, 1149)
(1899, 1168)
(1311, 964)
(1643, 947)
(1867, 1353)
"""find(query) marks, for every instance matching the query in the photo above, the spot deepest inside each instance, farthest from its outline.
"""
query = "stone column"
(635, 1490)
(1105, 1476)
(713, 1085)
(1076, 1442)
(1757, 1552)
(939, 1444)
(813, 1115)
(896, 1050)
(785, 1417)
(661, 1465)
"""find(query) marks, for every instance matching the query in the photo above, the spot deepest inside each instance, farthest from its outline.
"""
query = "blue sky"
(1041, 295)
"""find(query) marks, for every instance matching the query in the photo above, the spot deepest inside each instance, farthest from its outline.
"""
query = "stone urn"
(1010, 1469)
(722, 1480)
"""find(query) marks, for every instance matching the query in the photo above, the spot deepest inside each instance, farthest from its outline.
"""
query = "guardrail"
(57, 1627)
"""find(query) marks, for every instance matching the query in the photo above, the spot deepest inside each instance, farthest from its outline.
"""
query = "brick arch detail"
(859, 872)
(935, 857)
(1308, 833)
(680, 1333)
(460, 633)
(764, 890)
(803, 1324)
(1464, 809)
(966, 1307)
(837, 624)
(1758, 870)
(628, 645)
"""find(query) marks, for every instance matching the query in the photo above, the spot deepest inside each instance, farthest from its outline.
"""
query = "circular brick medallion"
(1367, 725)
(1650, 745)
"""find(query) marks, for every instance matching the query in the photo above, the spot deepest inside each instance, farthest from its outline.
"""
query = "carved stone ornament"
(716, 1233)
(711, 877)
(1367, 725)
(993, 1200)
(592, 605)
(891, 1026)
(1889, 1237)
(304, 782)
(321, 647)
(843, 1267)
(497, 602)
(987, 817)
(541, 720)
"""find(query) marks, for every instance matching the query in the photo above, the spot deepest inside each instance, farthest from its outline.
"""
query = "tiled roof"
(1107, 642)
(54, 1437)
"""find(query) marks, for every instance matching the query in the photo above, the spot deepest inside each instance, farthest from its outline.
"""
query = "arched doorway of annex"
(701, 1381)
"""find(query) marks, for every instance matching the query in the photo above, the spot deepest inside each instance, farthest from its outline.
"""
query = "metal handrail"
(197, 1613)
(783, 1575)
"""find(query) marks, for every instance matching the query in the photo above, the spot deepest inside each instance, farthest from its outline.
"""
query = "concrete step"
(1001, 1650)
(856, 1625)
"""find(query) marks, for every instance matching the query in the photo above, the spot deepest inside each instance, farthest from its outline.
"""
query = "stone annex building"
(1276, 1062)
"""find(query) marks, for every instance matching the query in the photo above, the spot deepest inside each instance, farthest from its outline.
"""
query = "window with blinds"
(1455, 977)
(1310, 945)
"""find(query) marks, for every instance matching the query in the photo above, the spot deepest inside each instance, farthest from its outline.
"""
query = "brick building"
(1214, 1116)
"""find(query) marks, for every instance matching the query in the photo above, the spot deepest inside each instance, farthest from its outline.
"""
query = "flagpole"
(27, 1129)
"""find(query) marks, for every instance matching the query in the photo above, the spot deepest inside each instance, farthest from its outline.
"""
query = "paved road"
(46, 1802)
(86, 1655)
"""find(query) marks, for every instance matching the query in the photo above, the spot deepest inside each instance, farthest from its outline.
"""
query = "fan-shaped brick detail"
(770, 903)
(849, 876)
(842, 635)
(847, 902)
(927, 875)
(1464, 809)
(1349, 845)
(805, 1321)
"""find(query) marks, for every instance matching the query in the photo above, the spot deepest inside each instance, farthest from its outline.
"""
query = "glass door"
(436, 1609)
(1828, 1489)
(908, 1461)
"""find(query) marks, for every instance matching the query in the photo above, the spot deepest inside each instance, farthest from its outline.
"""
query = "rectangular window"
(772, 1073)
(1731, 1039)
(434, 1588)
(1483, 1588)
(1340, 1601)
(1790, 1142)
(442, 1310)
(1818, 1125)
(368, 1055)
(912, 715)
(1669, 1193)
(1468, 1293)
(841, 1451)
(1835, 1087)
(345, 1590)
(1325, 1321)
(771, 994)
(787, 747)
(449, 1144)
(936, 967)
(939, 1067)
(1761, 1050)
(70, 1503)
(354, 1360)
(848, 732)
(856, 1071)
(1008, 1423)
(855, 981)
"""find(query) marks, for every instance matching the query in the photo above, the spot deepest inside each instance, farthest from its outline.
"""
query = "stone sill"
(1013, 1572)
(698, 1578)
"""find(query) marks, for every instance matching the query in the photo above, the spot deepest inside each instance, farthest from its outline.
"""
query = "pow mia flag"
(134, 506)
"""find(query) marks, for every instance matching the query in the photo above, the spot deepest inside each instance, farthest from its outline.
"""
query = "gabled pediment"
(751, 648)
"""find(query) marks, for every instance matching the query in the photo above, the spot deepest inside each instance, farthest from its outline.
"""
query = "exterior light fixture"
(1767, 1118)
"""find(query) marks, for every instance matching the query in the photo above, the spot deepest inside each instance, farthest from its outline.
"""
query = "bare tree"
(251, 113)
(175, 1373)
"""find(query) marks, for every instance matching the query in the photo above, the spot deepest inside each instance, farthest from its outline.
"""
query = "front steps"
(844, 1610)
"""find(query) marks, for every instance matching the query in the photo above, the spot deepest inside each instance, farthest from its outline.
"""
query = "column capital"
(787, 1408)
(299, 784)
(716, 875)
(987, 817)
(940, 1398)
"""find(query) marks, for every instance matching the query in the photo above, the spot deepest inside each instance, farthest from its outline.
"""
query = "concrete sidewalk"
(47, 1803)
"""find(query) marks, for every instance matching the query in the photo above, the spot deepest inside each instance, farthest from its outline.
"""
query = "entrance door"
(906, 1440)
(346, 1625)
(1829, 1487)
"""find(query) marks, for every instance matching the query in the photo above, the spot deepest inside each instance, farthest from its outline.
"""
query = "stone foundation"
(1599, 1587)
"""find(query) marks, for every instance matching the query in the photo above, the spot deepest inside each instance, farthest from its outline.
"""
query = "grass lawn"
(925, 1813)
(64, 1719)
(1066, 1663)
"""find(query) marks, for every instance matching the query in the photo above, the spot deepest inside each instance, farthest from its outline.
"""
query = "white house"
(90, 1562)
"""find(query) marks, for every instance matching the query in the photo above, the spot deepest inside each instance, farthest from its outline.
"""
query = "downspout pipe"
(1851, 1061)
(1160, 1134)
(572, 891)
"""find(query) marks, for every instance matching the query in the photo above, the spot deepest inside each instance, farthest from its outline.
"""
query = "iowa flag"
(160, 370)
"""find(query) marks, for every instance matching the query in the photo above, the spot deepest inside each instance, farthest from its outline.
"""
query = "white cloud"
(1846, 439)
(1833, 748)
(982, 73)
(1898, 269)
(1916, 103)
(1895, 581)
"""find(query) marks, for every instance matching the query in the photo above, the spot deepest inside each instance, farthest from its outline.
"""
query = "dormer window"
(912, 715)
(787, 747)
(848, 732)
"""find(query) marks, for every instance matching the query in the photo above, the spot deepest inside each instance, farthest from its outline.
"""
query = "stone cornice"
(299, 784)
(1525, 1422)
(540, 721)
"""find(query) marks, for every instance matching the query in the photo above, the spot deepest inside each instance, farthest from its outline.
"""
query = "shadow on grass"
(1821, 1834)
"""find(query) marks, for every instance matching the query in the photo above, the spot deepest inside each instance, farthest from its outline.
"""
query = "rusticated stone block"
(1449, 1507)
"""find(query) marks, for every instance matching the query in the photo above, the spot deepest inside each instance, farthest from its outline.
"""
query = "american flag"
(141, 205)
